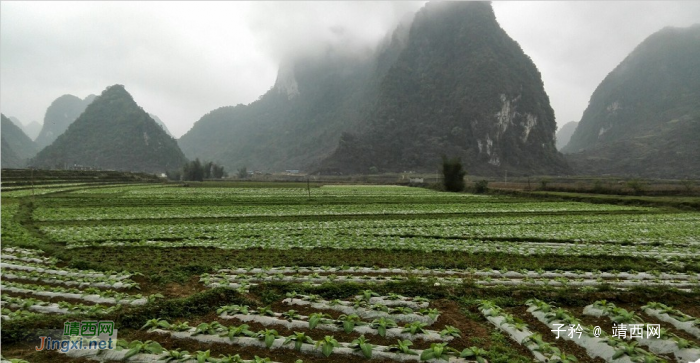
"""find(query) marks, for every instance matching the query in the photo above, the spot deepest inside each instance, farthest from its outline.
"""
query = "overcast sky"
(180, 60)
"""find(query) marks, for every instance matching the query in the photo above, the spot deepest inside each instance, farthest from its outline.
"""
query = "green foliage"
(415, 327)
(475, 353)
(238, 331)
(362, 345)
(156, 323)
(269, 336)
(327, 344)
(209, 328)
(452, 174)
(382, 324)
(636, 185)
(136, 346)
(402, 346)
(481, 186)
(298, 339)
(316, 318)
(450, 331)
(197, 171)
(348, 322)
(175, 356)
(437, 351)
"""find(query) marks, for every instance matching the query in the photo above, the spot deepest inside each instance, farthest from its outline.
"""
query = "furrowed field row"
(177, 192)
(350, 271)
(41, 190)
(111, 212)
(11, 187)
(584, 284)
(12, 231)
(665, 254)
(681, 229)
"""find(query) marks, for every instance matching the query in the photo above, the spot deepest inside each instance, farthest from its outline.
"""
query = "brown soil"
(175, 290)
(566, 346)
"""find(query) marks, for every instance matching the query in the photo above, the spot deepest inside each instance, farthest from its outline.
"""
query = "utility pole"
(506, 176)
(32, 174)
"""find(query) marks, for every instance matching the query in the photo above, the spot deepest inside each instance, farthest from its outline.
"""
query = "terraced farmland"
(345, 273)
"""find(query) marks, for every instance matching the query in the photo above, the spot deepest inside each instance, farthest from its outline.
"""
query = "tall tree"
(453, 174)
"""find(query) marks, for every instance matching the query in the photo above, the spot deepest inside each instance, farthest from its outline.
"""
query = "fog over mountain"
(564, 133)
(229, 52)
(644, 118)
(31, 129)
(61, 114)
(17, 147)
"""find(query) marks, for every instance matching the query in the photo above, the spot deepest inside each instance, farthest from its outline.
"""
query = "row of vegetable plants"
(314, 279)
(384, 327)
(663, 344)
(12, 360)
(63, 307)
(598, 343)
(542, 351)
(13, 233)
(79, 281)
(152, 351)
(215, 332)
(657, 229)
(93, 295)
(485, 272)
(174, 236)
(184, 211)
(41, 190)
(365, 310)
(67, 272)
(675, 317)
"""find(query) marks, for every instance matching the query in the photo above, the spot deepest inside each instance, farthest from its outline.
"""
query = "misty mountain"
(9, 156)
(449, 82)
(31, 129)
(60, 114)
(16, 121)
(459, 87)
(17, 147)
(113, 133)
(564, 134)
(162, 125)
(644, 117)
(296, 123)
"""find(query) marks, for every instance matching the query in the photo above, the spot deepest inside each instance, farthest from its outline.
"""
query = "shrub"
(481, 187)
(636, 185)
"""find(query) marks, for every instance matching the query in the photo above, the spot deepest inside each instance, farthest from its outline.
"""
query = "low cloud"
(181, 60)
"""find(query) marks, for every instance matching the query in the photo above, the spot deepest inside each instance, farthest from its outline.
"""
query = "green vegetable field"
(276, 272)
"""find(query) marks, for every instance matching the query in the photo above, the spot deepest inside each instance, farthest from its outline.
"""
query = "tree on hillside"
(197, 171)
(217, 171)
(453, 174)
(242, 173)
(193, 171)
